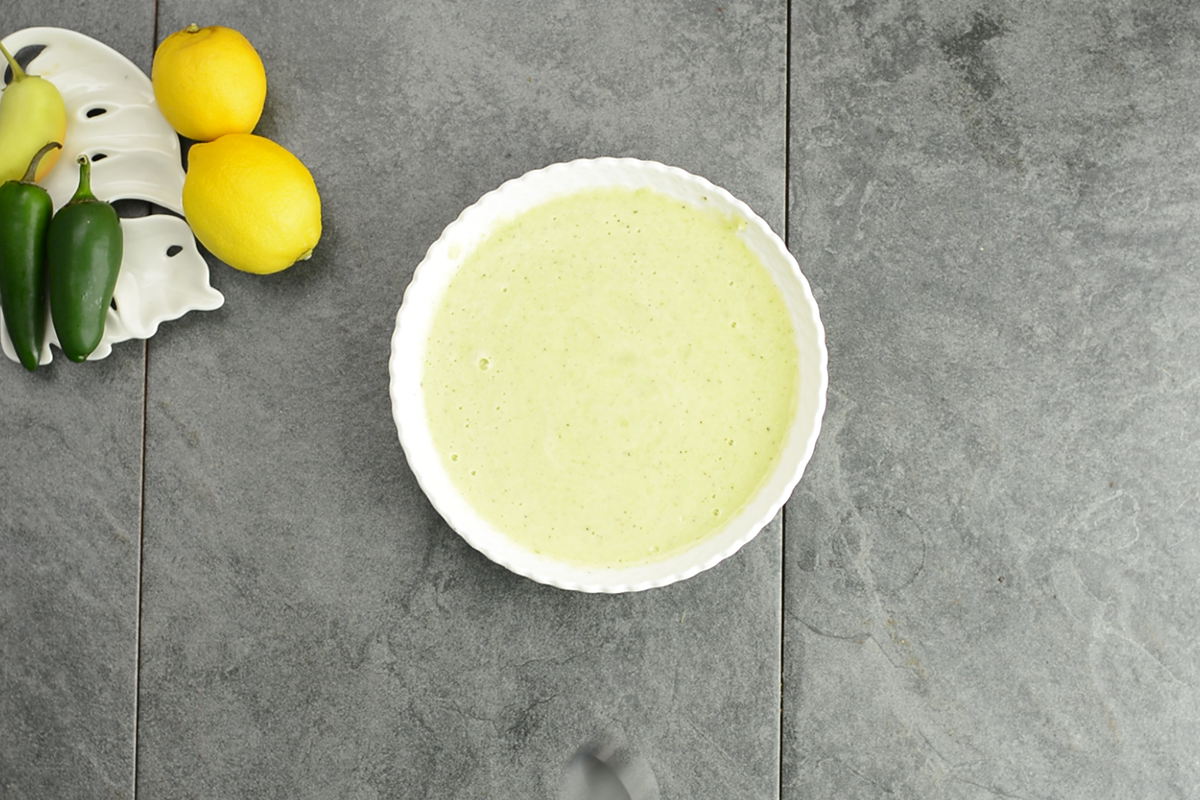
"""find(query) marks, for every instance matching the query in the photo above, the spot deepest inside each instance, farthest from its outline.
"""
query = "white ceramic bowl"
(423, 297)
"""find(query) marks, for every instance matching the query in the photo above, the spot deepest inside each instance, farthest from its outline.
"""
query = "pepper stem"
(31, 173)
(18, 73)
(84, 193)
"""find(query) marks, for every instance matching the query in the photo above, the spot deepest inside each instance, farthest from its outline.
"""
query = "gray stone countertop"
(219, 579)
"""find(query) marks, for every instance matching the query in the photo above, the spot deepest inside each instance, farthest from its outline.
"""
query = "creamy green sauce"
(610, 376)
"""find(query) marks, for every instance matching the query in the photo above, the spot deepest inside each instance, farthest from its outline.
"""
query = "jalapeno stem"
(18, 73)
(84, 193)
(30, 174)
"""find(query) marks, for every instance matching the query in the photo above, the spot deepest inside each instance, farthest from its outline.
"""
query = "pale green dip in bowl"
(608, 375)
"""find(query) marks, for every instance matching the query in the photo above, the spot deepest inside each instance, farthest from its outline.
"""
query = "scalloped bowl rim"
(423, 296)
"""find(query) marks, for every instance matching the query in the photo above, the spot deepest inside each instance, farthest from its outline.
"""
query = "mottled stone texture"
(988, 582)
(70, 498)
(991, 567)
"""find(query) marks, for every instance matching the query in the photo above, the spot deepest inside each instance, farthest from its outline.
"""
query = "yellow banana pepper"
(31, 116)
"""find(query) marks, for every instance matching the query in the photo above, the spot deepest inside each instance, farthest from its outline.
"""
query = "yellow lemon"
(208, 82)
(251, 203)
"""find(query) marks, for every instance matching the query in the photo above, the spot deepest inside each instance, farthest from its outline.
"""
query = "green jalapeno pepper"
(83, 257)
(25, 212)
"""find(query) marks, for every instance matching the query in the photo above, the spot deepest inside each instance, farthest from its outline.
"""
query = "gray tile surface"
(311, 627)
(987, 582)
(70, 472)
(991, 566)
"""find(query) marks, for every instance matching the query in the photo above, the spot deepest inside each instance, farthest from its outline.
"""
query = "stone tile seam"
(137, 654)
(783, 515)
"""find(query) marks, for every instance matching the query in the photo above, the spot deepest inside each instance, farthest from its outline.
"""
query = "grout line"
(787, 120)
(787, 175)
(137, 658)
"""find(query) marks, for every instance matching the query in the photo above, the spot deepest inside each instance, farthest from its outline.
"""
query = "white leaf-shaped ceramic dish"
(112, 117)
(422, 299)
